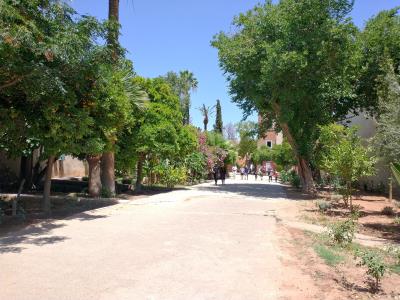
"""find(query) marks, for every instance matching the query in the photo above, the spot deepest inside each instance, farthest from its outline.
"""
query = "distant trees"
(183, 84)
(218, 127)
(206, 112)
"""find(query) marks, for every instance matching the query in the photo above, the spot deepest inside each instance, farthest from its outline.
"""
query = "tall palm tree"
(189, 83)
(206, 112)
(108, 159)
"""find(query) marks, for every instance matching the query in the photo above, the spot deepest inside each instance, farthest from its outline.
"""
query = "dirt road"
(206, 242)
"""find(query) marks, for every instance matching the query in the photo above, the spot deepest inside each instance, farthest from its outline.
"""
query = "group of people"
(219, 172)
(257, 172)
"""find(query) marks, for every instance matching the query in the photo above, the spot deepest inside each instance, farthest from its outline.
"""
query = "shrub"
(85, 178)
(323, 206)
(171, 176)
(295, 180)
(342, 232)
(397, 221)
(388, 211)
(376, 266)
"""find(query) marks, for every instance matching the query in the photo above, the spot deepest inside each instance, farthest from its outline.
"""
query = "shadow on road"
(260, 190)
(13, 239)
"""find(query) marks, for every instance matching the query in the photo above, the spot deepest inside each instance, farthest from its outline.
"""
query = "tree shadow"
(387, 231)
(14, 239)
(264, 191)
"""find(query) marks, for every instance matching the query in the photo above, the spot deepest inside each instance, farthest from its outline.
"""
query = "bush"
(323, 206)
(343, 232)
(295, 180)
(388, 211)
(376, 267)
(85, 178)
(290, 177)
(171, 176)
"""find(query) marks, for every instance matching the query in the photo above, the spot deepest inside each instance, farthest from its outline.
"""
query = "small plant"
(323, 206)
(294, 179)
(375, 264)
(388, 211)
(342, 232)
(397, 221)
(356, 212)
(330, 257)
(85, 178)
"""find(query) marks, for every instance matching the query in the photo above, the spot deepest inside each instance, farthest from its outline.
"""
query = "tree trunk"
(26, 171)
(205, 126)
(94, 183)
(107, 172)
(139, 176)
(304, 169)
(47, 185)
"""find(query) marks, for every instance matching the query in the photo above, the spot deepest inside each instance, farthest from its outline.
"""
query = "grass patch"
(395, 269)
(330, 257)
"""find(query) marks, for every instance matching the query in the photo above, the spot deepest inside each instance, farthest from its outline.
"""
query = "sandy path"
(204, 243)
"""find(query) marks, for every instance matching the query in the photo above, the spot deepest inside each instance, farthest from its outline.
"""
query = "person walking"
(223, 174)
(276, 176)
(241, 173)
(269, 172)
(234, 170)
(215, 173)
(246, 172)
(255, 173)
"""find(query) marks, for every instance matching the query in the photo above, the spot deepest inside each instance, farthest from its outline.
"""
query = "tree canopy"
(294, 59)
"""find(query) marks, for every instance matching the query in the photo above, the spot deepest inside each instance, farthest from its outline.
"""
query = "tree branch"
(12, 82)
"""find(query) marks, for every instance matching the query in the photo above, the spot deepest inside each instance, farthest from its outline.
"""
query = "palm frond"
(396, 171)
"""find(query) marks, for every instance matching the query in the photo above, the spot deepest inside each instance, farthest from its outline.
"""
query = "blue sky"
(175, 35)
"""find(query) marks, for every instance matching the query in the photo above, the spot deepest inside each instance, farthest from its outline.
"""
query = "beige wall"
(72, 167)
(366, 129)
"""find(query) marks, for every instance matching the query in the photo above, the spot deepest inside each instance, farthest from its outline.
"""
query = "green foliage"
(262, 154)
(342, 232)
(283, 155)
(375, 264)
(182, 85)
(218, 127)
(295, 61)
(323, 206)
(196, 165)
(330, 257)
(171, 175)
(396, 171)
(290, 177)
(342, 155)
(378, 44)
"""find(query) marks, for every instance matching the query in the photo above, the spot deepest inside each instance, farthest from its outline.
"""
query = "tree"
(183, 84)
(378, 43)
(108, 157)
(387, 137)
(206, 112)
(41, 77)
(344, 156)
(218, 127)
(262, 154)
(230, 132)
(156, 134)
(295, 60)
(283, 155)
